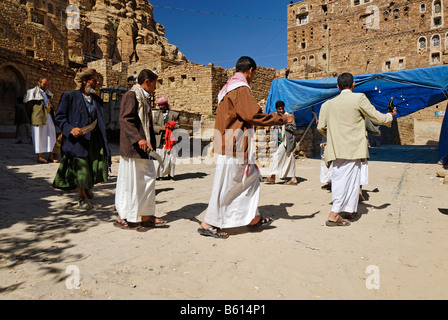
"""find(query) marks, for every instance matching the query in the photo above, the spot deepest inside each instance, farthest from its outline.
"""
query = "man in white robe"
(135, 191)
(283, 163)
(342, 121)
(43, 131)
(236, 186)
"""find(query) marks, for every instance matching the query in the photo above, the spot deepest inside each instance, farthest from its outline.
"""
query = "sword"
(90, 127)
(155, 156)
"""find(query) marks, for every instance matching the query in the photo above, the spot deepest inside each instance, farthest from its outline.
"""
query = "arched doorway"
(12, 86)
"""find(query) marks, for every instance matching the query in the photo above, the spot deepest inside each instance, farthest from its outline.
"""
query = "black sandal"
(263, 222)
(213, 232)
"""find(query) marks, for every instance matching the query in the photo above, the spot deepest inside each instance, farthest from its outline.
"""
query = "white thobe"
(235, 195)
(44, 136)
(283, 163)
(135, 194)
(346, 178)
(168, 162)
(364, 173)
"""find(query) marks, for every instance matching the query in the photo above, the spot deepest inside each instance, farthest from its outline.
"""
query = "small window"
(37, 18)
(356, 2)
(400, 63)
(422, 43)
(29, 53)
(435, 57)
(437, 7)
(311, 59)
(422, 7)
(302, 18)
(435, 41)
(29, 41)
(437, 21)
(105, 96)
(387, 65)
(49, 44)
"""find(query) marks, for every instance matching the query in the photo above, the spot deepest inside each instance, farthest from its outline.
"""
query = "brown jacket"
(131, 129)
(237, 113)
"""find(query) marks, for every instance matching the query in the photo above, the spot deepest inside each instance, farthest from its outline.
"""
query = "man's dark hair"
(279, 104)
(146, 74)
(345, 81)
(244, 64)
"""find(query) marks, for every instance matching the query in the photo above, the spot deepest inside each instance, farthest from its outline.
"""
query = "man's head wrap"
(162, 100)
(84, 74)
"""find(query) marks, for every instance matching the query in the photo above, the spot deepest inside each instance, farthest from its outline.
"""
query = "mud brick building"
(326, 38)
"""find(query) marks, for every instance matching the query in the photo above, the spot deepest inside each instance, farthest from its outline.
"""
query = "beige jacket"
(342, 121)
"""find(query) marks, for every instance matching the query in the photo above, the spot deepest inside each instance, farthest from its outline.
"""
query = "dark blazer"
(72, 112)
(131, 129)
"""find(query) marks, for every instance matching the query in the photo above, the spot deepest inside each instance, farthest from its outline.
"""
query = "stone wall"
(112, 75)
(19, 73)
(35, 29)
(193, 87)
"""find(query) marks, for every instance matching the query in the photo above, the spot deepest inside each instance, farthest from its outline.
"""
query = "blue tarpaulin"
(413, 90)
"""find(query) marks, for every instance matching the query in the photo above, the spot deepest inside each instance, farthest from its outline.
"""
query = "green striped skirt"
(84, 172)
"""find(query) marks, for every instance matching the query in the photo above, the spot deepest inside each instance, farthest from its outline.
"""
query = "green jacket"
(37, 112)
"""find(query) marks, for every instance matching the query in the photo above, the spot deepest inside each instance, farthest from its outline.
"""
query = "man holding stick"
(342, 121)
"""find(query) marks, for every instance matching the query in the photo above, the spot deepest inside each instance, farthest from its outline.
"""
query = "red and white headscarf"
(238, 80)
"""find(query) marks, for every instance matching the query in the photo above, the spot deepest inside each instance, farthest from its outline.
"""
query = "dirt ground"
(396, 249)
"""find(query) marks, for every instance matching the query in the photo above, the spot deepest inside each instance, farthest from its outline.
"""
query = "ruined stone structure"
(326, 38)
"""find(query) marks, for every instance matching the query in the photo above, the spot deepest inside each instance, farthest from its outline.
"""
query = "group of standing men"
(236, 187)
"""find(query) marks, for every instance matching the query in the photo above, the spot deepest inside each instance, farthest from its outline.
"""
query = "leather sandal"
(41, 160)
(340, 222)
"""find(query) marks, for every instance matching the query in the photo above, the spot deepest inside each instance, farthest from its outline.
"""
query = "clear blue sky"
(221, 39)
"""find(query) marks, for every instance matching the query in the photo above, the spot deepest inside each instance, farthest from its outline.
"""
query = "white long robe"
(135, 194)
(364, 180)
(168, 162)
(283, 163)
(235, 196)
(44, 136)
(346, 178)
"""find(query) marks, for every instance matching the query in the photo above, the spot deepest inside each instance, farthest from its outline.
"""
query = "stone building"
(33, 41)
(326, 38)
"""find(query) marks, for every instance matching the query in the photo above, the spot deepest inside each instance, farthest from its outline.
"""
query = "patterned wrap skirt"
(84, 172)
